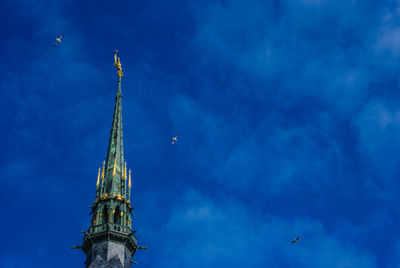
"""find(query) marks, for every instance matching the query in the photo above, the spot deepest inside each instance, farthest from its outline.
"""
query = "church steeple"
(110, 239)
(114, 181)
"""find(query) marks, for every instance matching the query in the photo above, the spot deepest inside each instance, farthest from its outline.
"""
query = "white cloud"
(379, 128)
(201, 233)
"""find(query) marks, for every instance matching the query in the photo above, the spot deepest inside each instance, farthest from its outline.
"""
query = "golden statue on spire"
(117, 64)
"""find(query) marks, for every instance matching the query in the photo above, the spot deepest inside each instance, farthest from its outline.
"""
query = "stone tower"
(110, 241)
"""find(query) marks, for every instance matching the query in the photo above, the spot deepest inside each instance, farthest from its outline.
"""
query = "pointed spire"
(129, 182)
(125, 171)
(112, 211)
(98, 179)
(102, 173)
(115, 153)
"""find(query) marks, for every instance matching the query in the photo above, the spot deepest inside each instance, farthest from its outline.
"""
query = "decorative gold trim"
(102, 173)
(115, 164)
(129, 182)
(104, 196)
(125, 172)
(98, 178)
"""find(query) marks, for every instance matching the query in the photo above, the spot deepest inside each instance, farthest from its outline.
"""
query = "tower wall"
(108, 254)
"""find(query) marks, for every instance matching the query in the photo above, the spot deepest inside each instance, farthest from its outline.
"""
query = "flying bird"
(174, 139)
(296, 240)
(58, 40)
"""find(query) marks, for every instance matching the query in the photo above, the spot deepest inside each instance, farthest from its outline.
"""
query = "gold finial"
(98, 178)
(117, 64)
(129, 183)
(115, 164)
(125, 171)
(102, 173)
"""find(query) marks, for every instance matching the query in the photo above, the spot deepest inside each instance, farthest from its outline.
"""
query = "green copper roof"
(114, 177)
(112, 209)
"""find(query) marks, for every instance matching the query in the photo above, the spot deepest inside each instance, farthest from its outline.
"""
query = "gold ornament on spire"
(102, 173)
(117, 64)
(98, 178)
(115, 165)
(129, 182)
(125, 172)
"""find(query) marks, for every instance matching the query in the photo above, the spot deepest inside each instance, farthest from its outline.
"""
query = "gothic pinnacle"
(129, 183)
(102, 173)
(125, 172)
(98, 179)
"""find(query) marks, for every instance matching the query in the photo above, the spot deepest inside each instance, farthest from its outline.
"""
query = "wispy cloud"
(201, 233)
(286, 110)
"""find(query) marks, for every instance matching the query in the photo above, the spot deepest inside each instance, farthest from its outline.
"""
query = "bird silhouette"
(58, 40)
(174, 139)
(296, 240)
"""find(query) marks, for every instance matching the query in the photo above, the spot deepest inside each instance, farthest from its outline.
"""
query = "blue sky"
(288, 114)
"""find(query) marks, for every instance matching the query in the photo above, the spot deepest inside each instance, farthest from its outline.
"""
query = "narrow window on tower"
(117, 216)
(105, 214)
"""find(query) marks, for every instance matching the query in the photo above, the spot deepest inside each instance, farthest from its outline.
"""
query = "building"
(110, 241)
